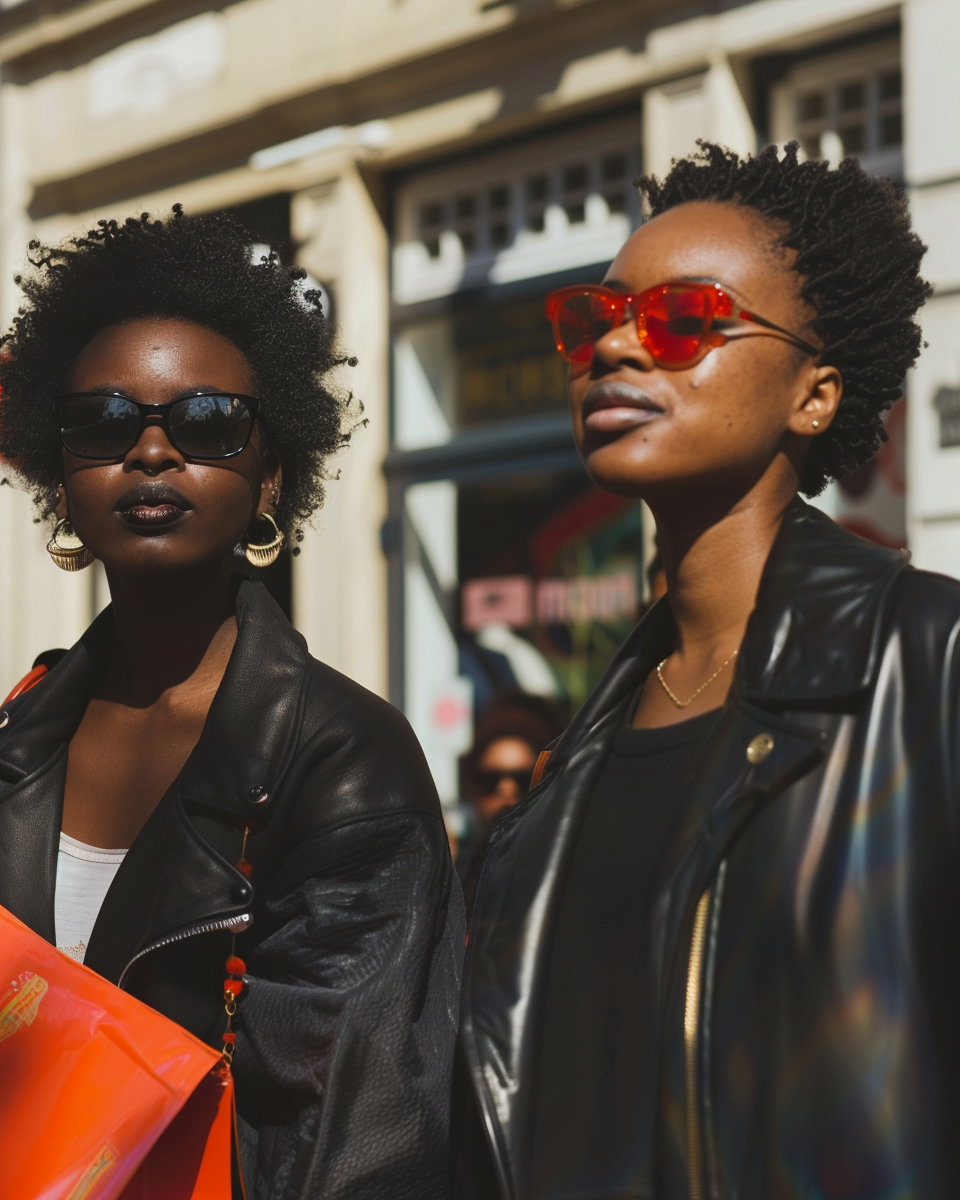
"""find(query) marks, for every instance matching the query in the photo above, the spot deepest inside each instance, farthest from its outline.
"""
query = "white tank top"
(84, 875)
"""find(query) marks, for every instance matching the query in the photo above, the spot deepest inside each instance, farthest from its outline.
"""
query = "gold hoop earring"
(68, 558)
(263, 556)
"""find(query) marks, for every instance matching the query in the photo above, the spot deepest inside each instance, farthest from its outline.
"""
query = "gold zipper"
(691, 1022)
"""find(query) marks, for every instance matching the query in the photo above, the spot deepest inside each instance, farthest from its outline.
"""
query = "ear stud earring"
(816, 424)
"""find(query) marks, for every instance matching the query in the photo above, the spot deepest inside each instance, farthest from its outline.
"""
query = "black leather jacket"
(805, 973)
(348, 1017)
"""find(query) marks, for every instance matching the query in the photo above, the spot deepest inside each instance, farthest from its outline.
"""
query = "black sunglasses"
(108, 424)
(489, 781)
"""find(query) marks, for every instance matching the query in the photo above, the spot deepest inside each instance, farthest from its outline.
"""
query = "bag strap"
(41, 665)
(538, 770)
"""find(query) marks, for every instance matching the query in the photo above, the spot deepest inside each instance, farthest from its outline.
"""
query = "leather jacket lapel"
(169, 881)
(750, 758)
(251, 731)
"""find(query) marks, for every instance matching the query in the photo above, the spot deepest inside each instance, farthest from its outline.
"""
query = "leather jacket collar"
(811, 641)
(171, 878)
(813, 637)
(811, 646)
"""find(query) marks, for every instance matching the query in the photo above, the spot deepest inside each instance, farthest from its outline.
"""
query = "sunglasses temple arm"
(748, 316)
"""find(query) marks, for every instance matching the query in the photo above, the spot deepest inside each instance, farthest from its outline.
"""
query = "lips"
(616, 407)
(152, 505)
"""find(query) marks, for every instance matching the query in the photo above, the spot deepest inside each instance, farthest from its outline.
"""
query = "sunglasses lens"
(673, 323)
(94, 426)
(490, 781)
(582, 319)
(210, 426)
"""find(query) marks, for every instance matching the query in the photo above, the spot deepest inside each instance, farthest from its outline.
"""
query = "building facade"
(437, 166)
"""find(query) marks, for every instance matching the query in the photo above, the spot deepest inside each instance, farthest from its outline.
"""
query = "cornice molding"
(412, 83)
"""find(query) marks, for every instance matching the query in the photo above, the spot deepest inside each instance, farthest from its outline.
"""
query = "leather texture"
(347, 1021)
(824, 1048)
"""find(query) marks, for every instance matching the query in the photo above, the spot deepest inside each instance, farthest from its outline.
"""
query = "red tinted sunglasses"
(675, 321)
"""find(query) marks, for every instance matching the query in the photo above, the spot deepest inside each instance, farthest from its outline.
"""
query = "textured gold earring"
(68, 558)
(264, 555)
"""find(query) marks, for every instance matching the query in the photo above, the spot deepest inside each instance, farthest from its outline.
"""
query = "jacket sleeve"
(348, 1020)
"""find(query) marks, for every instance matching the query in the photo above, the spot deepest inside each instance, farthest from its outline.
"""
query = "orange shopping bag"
(101, 1097)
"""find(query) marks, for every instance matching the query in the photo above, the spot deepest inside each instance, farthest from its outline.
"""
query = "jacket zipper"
(691, 1024)
(232, 923)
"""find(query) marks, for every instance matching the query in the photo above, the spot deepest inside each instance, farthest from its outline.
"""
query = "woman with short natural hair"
(712, 950)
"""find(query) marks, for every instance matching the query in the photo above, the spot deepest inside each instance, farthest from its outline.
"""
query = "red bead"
(229, 1039)
(247, 824)
(245, 868)
(236, 965)
(234, 986)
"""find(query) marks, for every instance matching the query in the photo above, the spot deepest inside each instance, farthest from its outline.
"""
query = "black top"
(586, 1143)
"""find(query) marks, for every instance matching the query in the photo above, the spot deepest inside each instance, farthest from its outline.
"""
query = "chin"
(156, 556)
(616, 472)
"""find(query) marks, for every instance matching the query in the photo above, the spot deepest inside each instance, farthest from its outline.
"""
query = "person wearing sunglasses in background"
(496, 772)
(712, 950)
(189, 803)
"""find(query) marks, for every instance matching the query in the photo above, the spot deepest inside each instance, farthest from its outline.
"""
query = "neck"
(168, 631)
(714, 554)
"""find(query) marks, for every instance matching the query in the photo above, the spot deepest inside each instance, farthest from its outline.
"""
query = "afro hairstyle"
(859, 264)
(199, 268)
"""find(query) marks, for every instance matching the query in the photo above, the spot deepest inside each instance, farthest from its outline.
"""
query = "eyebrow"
(617, 285)
(114, 389)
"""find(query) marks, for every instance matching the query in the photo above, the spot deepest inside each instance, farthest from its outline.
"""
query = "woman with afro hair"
(712, 954)
(187, 785)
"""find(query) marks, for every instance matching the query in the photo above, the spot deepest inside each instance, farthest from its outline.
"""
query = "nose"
(154, 452)
(621, 346)
(507, 789)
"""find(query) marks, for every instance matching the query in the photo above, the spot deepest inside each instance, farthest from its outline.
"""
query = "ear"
(60, 508)
(817, 402)
(271, 482)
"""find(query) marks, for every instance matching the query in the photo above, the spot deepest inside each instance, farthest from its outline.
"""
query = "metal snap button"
(759, 748)
(4, 719)
(258, 794)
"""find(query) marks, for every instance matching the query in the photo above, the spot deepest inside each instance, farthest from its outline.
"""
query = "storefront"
(509, 569)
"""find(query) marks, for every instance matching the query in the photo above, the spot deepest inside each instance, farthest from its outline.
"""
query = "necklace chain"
(686, 703)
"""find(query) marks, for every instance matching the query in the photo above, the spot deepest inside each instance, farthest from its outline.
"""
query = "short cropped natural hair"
(859, 261)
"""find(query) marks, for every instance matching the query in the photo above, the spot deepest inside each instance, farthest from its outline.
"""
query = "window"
(518, 214)
(845, 104)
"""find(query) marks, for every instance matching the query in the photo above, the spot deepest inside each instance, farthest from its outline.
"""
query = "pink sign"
(505, 600)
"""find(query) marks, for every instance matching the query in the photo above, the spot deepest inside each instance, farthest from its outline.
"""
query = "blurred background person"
(496, 773)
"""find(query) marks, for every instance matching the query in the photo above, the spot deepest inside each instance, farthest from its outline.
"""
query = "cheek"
(734, 397)
(86, 484)
(226, 492)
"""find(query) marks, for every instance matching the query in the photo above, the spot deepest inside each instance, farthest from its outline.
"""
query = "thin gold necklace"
(686, 703)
